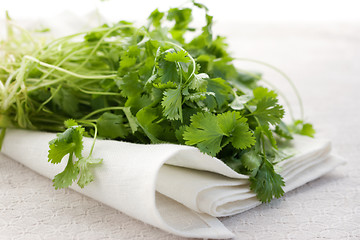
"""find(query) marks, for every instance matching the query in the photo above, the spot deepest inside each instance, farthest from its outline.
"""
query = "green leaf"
(251, 160)
(222, 91)
(70, 141)
(146, 118)
(172, 104)
(261, 92)
(283, 131)
(168, 72)
(267, 184)
(300, 127)
(199, 82)
(66, 101)
(70, 123)
(269, 135)
(84, 165)
(111, 126)
(155, 17)
(239, 102)
(130, 85)
(180, 56)
(126, 62)
(307, 130)
(268, 111)
(66, 177)
(59, 150)
(235, 127)
(205, 133)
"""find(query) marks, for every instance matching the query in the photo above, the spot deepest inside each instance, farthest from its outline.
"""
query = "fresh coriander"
(144, 85)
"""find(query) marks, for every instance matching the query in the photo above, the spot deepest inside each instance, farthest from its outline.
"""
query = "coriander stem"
(101, 110)
(67, 71)
(99, 93)
(285, 76)
(191, 58)
(275, 88)
(95, 133)
(49, 99)
(102, 40)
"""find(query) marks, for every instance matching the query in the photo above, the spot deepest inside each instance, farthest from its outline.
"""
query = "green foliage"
(210, 133)
(300, 127)
(111, 126)
(70, 143)
(180, 56)
(145, 85)
(267, 183)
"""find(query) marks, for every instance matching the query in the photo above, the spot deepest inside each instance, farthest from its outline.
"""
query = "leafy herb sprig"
(144, 85)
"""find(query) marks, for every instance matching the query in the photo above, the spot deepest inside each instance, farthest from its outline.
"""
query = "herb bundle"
(144, 85)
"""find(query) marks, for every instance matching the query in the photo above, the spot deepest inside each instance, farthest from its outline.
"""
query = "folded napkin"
(173, 187)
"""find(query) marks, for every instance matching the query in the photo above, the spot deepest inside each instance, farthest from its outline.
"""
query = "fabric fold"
(175, 188)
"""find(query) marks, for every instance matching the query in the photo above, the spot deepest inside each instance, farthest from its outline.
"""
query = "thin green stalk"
(273, 87)
(282, 74)
(191, 58)
(61, 62)
(101, 41)
(101, 110)
(49, 99)
(99, 93)
(67, 71)
(95, 133)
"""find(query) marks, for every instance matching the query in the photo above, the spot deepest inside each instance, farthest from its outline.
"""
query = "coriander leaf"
(155, 18)
(168, 72)
(130, 85)
(268, 111)
(300, 127)
(84, 165)
(207, 131)
(204, 132)
(267, 132)
(267, 183)
(283, 131)
(66, 177)
(307, 130)
(65, 99)
(242, 137)
(131, 119)
(180, 56)
(199, 82)
(70, 123)
(111, 126)
(198, 96)
(182, 19)
(172, 104)
(58, 151)
(222, 91)
(261, 92)
(239, 102)
(251, 160)
(77, 138)
(126, 62)
(234, 126)
(70, 141)
(146, 118)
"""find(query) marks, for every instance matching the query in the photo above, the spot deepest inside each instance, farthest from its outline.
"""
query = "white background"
(224, 10)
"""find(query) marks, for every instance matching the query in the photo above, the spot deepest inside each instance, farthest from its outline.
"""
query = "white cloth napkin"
(175, 188)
